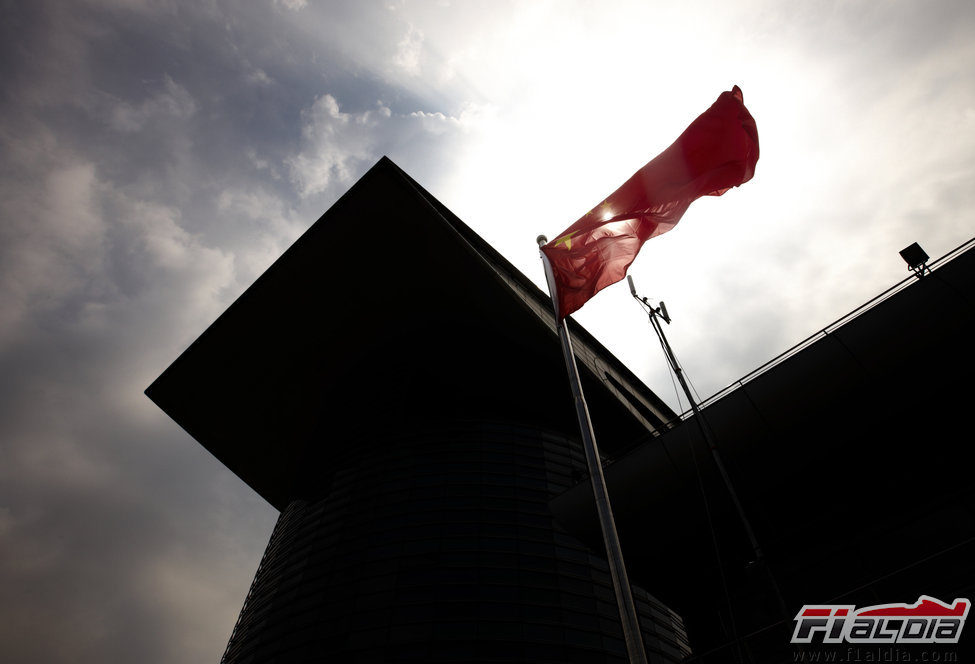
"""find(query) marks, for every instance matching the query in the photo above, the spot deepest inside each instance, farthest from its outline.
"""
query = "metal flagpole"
(661, 312)
(621, 584)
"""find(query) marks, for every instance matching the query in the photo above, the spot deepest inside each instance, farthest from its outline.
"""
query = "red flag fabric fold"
(716, 152)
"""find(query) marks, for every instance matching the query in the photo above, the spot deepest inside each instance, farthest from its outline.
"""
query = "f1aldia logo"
(928, 620)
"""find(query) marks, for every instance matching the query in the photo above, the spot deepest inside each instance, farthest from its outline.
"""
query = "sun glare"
(569, 131)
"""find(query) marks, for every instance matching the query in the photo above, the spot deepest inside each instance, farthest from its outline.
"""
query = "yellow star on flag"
(566, 240)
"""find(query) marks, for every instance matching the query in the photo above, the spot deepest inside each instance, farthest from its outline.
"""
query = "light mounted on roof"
(916, 259)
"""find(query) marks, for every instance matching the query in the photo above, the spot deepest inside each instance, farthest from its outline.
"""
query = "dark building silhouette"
(395, 388)
(852, 455)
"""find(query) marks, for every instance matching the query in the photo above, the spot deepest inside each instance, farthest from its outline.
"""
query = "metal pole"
(709, 439)
(614, 554)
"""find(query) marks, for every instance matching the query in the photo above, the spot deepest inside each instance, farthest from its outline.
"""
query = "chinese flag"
(716, 152)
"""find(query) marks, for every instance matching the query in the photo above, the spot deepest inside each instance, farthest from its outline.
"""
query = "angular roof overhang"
(388, 312)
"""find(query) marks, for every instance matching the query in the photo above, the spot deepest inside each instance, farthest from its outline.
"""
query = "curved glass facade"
(440, 547)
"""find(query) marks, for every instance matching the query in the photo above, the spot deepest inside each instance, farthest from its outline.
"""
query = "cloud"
(89, 524)
(293, 5)
(258, 77)
(336, 145)
(409, 52)
(333, 143)
(108, 514)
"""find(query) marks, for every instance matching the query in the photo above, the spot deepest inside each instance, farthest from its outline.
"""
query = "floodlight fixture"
(916, 259)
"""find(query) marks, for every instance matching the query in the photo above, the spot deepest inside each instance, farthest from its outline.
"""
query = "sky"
(157, 156)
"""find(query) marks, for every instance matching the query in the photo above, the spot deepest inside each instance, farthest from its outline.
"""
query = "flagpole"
(614, 554)
(661, 312)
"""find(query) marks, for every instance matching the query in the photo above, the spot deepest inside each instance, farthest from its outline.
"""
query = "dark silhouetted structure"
(852, 455)
(395, 388)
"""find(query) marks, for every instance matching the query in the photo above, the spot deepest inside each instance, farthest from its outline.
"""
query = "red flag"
(716, 152)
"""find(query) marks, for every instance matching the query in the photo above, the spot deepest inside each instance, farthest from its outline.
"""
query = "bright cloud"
(333, 143)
